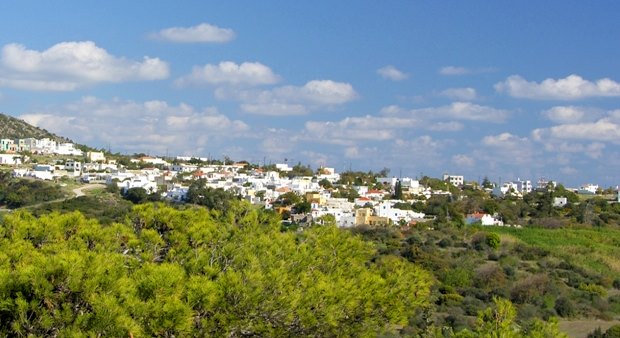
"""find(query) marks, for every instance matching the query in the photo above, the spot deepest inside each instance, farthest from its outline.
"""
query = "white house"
(484, 219)
(524, 187)
(67, 149)
(95, 156)
(138, 182)
(560, 202)
(588, 189)
(455, 180)
(10, 159)
(385, 209)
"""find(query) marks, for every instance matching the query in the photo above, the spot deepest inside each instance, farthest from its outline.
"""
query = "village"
(262, 186)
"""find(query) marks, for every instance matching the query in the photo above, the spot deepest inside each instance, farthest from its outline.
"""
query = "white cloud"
(352, 129)
(352, 152)
(462, 160)
(445, 126)
(466, 111)
(323, 92)
(275, 109)
(461, 94)
(503, 140)
(452, 70)
(150, 126)
(508, 149)
(202, 33)
(291, 100)
(230, 73)
(568, 114)
(391, 73)
(572, 87)
(601, 130)
(67, 66)
(569, 171)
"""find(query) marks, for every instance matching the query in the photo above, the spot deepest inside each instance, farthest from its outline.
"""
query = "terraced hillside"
(13, 128)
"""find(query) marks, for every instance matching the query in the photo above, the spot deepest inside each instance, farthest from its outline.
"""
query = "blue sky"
(502, 89)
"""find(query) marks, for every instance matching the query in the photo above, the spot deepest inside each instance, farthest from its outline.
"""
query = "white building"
(455, 180)
(138, 182)
(95, 156)
(283, 167)
(10, 159)
(588, 189)
(385, 209)
(74, 166)
(524, 187)
(67, 149)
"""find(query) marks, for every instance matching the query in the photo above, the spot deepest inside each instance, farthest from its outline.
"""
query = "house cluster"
(38, 146)
(259, 186)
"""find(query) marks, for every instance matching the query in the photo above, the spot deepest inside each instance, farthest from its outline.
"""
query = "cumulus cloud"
(202, 33)
(572, 87)
(465, 111)
(230, 73)
(507, 148)
(352, 129)
(67, 66)
(452, 70)
(150, 126)
(291, 100)
(392, 73)
(461, 94)
(564, 114)
(601, 130)
(463, 160)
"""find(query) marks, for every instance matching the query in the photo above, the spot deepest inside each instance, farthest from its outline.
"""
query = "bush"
(444, 243)
(613, 332)
(529, 289)
(565, 307)
(493, 241)
(136, 195)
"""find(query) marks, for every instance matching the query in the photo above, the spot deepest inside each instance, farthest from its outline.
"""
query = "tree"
(198, 272)
(302, 207)
(398, 191)
(136, 195)
(218, 199)
(326, 184)
(486, 183)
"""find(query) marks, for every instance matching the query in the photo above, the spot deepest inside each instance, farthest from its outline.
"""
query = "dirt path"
(79, 192)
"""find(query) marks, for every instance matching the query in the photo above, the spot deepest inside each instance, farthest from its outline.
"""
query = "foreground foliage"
(167, 272)
(544, 273)
(15, 193)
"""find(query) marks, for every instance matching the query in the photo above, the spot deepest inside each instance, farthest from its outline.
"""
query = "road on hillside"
(78, 192)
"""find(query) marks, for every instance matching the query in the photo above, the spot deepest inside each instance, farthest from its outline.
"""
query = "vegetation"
(17, 192)
(166, 272)
(472, 265)
(107, 208)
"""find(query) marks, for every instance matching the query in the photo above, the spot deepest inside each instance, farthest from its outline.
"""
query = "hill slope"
(13, 128)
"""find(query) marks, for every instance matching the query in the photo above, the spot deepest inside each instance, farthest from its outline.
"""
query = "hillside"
(13, 128)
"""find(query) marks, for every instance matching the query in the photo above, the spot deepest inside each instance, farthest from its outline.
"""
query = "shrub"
(613, 332)
(493, 241)
(565, 307)
(529, 289)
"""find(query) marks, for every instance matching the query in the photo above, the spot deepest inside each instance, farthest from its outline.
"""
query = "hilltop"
(14, 128)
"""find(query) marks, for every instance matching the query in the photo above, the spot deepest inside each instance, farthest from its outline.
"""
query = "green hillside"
(13, 128)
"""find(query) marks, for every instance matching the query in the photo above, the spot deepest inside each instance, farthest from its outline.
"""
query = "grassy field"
(593, 249)
(581, 328)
